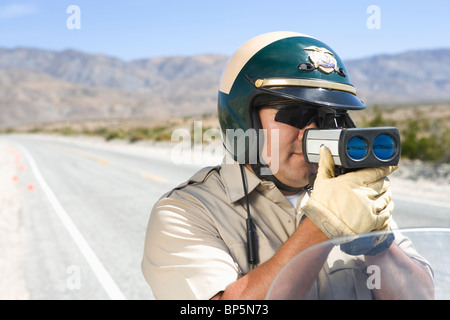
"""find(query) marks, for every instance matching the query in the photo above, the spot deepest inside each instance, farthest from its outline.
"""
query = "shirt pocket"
(343, 277)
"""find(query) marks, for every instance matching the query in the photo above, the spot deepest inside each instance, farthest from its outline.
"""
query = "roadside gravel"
(12, 283)
(422, 180)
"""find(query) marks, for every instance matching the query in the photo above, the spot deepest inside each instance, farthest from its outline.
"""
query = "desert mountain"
(414, 76)
(38, 86)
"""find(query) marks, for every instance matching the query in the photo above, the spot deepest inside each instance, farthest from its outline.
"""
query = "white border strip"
(102, 274)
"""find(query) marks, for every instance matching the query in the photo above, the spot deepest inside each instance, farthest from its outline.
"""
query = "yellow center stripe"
(152, 177)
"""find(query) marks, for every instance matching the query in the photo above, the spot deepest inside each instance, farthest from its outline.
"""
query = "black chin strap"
(271, 177)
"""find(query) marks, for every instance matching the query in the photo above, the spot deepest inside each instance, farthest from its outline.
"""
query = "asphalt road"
(85, 209)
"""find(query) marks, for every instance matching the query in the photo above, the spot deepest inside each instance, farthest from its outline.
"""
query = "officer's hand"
(352, 203)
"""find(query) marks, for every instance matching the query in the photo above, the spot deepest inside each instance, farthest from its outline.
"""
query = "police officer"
(228, 231)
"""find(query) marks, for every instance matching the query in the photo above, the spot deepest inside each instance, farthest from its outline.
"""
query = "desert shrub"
(422, 138)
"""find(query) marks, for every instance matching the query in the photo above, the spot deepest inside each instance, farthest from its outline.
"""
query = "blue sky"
(136, 29)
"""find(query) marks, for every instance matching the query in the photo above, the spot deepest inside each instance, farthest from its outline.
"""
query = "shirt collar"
(232, 179)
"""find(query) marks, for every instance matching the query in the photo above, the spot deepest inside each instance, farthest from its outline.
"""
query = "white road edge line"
(102, 274)
(422, 201)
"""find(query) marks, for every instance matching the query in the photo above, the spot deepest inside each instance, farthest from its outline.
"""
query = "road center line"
(102, 274)
(152, 177)
(81, 154)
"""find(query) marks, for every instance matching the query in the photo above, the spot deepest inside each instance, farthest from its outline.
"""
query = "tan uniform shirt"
(195, 244)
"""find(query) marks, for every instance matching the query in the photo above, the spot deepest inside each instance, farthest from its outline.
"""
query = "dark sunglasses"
(300, 116)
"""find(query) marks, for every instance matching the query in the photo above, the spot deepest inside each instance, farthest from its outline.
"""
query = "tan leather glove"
(352, 203)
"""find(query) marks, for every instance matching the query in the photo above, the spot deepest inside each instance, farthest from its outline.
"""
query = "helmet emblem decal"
(322, 59)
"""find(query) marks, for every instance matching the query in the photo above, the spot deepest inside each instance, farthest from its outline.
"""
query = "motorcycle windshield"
(415, 266)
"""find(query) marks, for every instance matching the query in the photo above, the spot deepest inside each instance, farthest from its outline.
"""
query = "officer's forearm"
(256, 283)
(400, 276)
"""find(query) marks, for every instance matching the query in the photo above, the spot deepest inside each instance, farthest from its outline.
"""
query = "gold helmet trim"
(281, 82)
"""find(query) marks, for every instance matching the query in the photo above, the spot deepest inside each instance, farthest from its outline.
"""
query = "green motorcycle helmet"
(286, 67)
